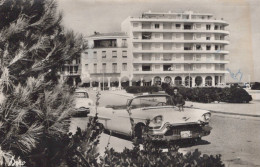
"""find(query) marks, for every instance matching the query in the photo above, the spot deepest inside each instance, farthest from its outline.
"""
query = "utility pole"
(103, 79)
(189, 74)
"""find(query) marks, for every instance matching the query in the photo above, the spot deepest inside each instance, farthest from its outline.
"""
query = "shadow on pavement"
(164, 144)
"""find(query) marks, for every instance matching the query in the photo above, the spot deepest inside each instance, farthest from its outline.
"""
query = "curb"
(228, 113)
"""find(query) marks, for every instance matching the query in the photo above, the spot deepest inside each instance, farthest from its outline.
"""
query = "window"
(86, 66)
(178, 56)
(105, 43)
(216, 47)
(208, 66)
(208, 57)
(157, 45)
(95, 68)
(146, 68)
(178, 46)
(157, 67)
(104, 66)
(198, 47)
(124, 54)
(114, 54)
(198, 66)
(208, 27)
(135, 24)
(187, 27)
(178, 26)
(157, 35)
(156, 26)
(198, 57)
(208, 38)
(136, 45)
(124, 67)
(114, 67)
(198, 35)
(178, 35)
(208, 47)
(124, 44)
(104, 54)
(167, 68)
(94, 55)
(78, 61)
(178, 67)
(198, 26)
(146, 35)
(157, 56)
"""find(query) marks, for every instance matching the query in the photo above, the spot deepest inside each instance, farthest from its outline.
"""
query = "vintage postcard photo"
(131, 83)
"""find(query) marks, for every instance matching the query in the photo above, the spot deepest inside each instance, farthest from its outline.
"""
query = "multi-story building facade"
(71, 71)
(180, 48)
(107, 61)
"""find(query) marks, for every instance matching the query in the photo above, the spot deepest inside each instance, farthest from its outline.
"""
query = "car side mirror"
(129, 108)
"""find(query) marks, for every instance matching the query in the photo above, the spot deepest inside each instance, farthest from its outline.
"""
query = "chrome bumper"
(173, 132)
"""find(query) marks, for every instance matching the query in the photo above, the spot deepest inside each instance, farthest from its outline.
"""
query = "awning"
(147, 79)
(124, 79)
(136, 78)
(114, 79)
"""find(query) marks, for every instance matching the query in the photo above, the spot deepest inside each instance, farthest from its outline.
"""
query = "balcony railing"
(70, 73)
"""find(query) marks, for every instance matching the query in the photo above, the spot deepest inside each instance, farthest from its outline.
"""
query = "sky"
(87, 16)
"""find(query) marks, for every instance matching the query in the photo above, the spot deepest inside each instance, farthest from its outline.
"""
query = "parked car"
(222, 85)
(167, 122)
(83, 103)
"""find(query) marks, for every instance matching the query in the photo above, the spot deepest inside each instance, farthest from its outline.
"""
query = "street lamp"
(189, 73)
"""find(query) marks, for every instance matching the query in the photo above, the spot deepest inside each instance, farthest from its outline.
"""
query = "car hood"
(173, 115)
(83, 102)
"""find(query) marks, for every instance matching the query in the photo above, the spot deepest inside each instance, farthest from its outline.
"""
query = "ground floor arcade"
(109, 82)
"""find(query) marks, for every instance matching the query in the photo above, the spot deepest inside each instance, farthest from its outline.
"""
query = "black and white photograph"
(129, 83)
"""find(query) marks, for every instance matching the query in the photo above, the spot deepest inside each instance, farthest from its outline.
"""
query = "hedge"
(141, 89)
(211, 94)
(256, 86)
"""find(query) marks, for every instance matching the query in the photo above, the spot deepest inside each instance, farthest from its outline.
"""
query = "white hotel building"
(179, 48)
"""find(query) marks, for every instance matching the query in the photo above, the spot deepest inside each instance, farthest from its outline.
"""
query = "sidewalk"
(245, 109)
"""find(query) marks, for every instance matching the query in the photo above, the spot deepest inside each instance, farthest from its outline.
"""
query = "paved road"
(236, 138)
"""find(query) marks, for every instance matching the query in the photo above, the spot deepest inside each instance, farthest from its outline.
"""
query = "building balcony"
(182, 72)
(107, 71)
(181, 51)
(177, 20)
(71, 73)
(162, 61)
(102, 47)
(224, 32)
(181, 41)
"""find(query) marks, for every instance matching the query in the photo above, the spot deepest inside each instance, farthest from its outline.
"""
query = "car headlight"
(206, 117)
(157, 120)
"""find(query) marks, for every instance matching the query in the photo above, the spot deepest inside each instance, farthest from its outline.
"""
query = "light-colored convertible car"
(167, 122)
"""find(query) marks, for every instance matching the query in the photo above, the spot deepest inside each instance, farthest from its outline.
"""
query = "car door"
(120, 122)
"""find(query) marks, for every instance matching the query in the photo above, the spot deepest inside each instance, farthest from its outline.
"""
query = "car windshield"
(81, 94)
(151, 101)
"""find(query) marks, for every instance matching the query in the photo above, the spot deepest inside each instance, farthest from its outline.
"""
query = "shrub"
(211, 94)
(141, 89)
